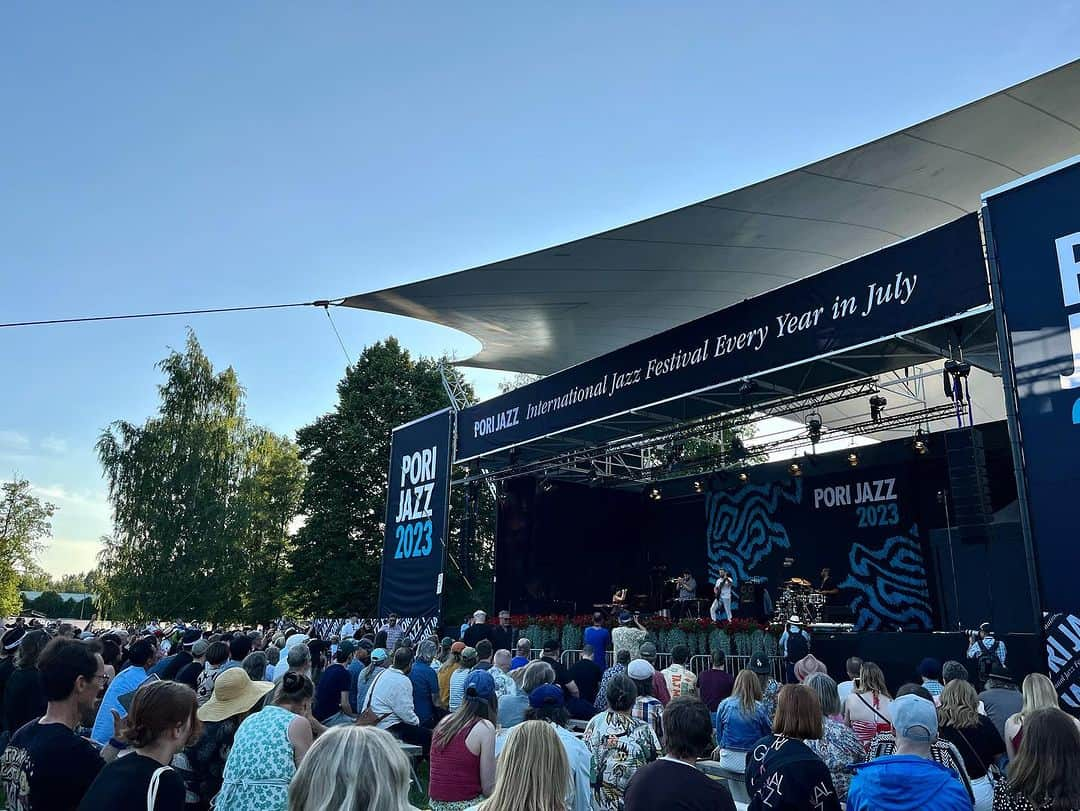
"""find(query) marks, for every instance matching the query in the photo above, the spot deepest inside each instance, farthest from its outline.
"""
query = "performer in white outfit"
(721, 606)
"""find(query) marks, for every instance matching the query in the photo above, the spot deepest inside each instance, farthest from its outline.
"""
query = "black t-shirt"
(784, 774)
(676, 786)
(474, 633)
(586, 674)
(122, 786)
(503, 638)
(47, 767)
(189, 674)
(562, 675)
(24, 699)
(334, 682)
(978, 745)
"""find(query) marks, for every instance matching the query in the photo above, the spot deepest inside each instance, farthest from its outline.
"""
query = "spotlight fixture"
(853, 459)
(654, 493)
(698, 486)
(919, 443)
(744, 476)
(546, 485)
(813, 427)
(794, 469)
(748, 387)
(877, 405)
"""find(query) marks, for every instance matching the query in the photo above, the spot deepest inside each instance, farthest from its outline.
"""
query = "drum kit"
(799, 597)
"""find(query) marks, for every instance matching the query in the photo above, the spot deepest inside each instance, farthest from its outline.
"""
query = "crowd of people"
(185, 718)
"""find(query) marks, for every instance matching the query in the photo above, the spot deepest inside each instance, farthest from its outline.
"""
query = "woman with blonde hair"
(866, 710)
(533, 771)
(1039, 693)
(974, 736)
(352, 768)
(741, 721)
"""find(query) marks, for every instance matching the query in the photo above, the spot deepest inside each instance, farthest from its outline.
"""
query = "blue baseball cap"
(379, 655)
(546, 695)
(914, 718)
(479, 685)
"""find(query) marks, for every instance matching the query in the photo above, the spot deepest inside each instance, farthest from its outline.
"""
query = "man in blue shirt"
(425, 684)
(360, 660)
(599, 637)
(140, 655)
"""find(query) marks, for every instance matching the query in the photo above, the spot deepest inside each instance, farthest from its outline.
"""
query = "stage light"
(744, 476)
(853, 459)
(877, 405)
(794, 469)
(748, 387)
(919, 444)
(654, 493)
(813, 427)
(546, 485)
(698, 486)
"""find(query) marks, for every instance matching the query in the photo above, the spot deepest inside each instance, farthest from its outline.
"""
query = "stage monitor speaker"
(969, 485)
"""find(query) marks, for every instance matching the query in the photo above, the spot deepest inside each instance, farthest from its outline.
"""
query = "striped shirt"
(457, 686)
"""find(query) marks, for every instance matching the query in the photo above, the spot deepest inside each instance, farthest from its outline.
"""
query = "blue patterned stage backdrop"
(860, 524)
(417, 515)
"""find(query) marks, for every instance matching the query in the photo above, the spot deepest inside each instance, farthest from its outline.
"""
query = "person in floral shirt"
(838, 746)
(618, 744)
(622, 659)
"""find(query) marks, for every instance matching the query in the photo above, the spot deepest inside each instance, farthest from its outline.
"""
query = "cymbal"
(799, 581)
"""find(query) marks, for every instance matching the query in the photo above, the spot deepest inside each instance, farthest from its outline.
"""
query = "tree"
(201, 500)
(25, 521)
(337, 554)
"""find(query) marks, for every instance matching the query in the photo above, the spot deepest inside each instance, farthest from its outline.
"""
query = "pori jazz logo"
(1068, 253)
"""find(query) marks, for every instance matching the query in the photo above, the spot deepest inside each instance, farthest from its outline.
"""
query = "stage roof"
(547, 310)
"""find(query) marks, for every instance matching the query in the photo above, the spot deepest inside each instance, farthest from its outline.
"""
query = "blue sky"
(170, 156)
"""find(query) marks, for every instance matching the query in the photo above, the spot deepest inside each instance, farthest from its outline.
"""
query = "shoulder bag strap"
(872, 708)
(371, 691)
(152, 789)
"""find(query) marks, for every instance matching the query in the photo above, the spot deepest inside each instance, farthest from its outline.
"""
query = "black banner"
(417, 515)
(1033, 230)
(923, 280)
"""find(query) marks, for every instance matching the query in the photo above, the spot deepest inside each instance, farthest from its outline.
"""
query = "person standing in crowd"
(425, 685)
(239, 647)
(547, 703)
(929, 672)
(794, 645)
(379, 662)
(393, 633)
(503, 634)
(673, 781)
(235, 697)
(24, 699)
(599, 638)
(532, 772)
(500, 671)
(983, 650)
(867, 708)
(782, 772)
(586, 674)
(845, 688)
(331, 706)
(715, 684)
(522, 653)
(361, 659)
(973, 735)
(444, 653)
(1044, 775)
(770, 687)
(908, 780)
(8, 647)
(390, 697)
(1000, 699)
(352, 769)
(161, 722)
(646, 707)
(1038, 693)
(140, 656)
(189, 673)
(484, 654)
(619, 745)
(478, 630)
(468, 661)
(678, 678)
(622, 659)
(463, 748)
(512, 708)
(838, 747)
(741, 721)
(216, 656)
(267, 748)
(648, 653)
(629, 637)
(256, 666)
(446, 673)
(168, 667)
(46, 765)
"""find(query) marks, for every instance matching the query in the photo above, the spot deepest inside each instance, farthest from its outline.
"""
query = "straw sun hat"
(234, 692)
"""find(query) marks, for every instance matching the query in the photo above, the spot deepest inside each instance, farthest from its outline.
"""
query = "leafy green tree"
(337, 554)
(25, 521)
(201, 500)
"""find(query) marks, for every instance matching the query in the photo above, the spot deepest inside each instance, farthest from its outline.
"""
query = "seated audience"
(463, 748)
(586, 674)
(522, 653)
(867, 708)
(1038, 693)
(1000, 698)
(425, 685)
(973, 735)
(532, 771)
(512, 709)
(647, 708)
(660, 690)
(741, 721)
(1044, 775)
(929, 672)
(619, 745)
(390, 699)
(500, 671)
(622, 659)
(807, 666)
(838, 747)
(852, 667)
(715, 684)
